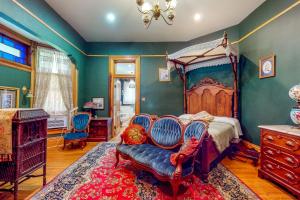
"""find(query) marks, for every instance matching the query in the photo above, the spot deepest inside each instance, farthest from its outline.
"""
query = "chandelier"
(149, 11)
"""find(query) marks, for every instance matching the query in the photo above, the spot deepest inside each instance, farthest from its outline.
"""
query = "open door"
(124, 90)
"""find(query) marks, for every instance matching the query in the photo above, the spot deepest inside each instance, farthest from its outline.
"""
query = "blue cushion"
(155, 158)
(144, 121)
(195, 129)
(80, 121)
(166, 132)
(74, 136)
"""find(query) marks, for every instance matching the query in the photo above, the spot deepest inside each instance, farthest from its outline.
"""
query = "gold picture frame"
(267, 66)
(9, 97)
(164, 75)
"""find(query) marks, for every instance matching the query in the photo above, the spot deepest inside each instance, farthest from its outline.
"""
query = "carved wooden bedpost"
(234, 64)
(184, 91)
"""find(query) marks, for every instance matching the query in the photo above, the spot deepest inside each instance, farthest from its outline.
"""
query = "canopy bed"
(211, 96)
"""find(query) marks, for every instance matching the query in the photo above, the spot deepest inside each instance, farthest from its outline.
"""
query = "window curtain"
(53, 88)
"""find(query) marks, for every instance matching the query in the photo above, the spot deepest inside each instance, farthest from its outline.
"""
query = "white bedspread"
(222, 130)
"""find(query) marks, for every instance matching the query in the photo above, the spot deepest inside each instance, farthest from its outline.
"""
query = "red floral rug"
(94, 177)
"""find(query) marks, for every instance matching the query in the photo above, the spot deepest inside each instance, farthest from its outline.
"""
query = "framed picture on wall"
(164, 75)
(267, 66)
(98, 102)
(9, 97)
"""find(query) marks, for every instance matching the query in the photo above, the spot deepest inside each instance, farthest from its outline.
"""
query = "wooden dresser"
(280, 156)
(100, 129)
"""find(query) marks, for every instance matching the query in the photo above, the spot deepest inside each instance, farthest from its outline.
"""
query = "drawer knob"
(270, 166)
(290, 176)
(270, 138)
(290, 143)
(289, 160)
(270, 152)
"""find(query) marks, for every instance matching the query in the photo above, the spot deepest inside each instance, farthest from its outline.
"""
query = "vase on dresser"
(294, 94)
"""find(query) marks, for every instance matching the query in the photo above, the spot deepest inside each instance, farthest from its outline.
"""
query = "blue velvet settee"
(165, 136)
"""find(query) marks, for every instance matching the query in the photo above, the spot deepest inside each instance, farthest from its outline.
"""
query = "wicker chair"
(79, 131)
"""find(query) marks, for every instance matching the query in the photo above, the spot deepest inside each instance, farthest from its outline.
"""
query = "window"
(125, 68)
(53, 88)
(12, 50)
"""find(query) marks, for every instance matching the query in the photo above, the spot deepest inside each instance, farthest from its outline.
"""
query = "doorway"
(124, 90)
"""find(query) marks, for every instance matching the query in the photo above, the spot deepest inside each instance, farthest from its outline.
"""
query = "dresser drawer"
(283, 141)
(98, 123)
(284, 174)
(281, 157)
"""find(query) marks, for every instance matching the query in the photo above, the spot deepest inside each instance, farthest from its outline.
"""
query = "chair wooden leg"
(117, 158)
(44, 175)
(175, 187)
(16, 189)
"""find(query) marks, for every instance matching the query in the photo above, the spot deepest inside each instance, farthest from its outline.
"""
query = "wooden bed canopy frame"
(223, 94)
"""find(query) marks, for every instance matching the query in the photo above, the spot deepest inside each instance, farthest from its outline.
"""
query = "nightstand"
(100, 129)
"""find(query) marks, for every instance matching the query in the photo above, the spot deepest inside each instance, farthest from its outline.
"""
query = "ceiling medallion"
(150, 11)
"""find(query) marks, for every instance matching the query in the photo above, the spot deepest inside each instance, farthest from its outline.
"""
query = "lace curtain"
(53, 87)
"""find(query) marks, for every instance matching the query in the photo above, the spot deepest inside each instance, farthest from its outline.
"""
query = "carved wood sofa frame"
(176, 179)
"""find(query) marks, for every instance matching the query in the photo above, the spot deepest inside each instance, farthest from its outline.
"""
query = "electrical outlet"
(143, 98)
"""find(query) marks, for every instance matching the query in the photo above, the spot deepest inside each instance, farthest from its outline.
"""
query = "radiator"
(57, 122)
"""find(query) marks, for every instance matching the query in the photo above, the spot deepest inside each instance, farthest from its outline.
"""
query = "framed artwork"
(9, 97)
(98, 102)
(164, 75)
(267, 66)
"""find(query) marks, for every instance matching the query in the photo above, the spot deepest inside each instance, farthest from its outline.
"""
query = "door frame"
(112, 76)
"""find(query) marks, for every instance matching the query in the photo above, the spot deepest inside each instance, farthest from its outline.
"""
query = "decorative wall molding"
(100, 55)
(267, 22)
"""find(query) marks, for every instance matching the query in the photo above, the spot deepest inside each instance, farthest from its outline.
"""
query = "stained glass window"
(13, 50)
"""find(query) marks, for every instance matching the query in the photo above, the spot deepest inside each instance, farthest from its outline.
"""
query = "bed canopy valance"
(209, 54)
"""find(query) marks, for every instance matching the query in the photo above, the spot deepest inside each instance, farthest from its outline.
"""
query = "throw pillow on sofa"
(134, 134)
(188, 148)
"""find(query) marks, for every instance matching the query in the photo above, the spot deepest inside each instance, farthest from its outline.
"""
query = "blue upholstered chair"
(79, 130)
(167, 135)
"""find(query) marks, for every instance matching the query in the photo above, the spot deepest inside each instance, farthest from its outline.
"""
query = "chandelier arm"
(166, 20)
(143, 12)
(149, 22)
(167, 9)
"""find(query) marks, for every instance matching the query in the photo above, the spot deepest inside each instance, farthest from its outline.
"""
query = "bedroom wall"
(10, 77)
(266, 101)
(161, 97)
(12, 14)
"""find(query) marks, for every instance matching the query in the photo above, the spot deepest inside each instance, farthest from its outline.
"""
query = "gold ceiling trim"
(48, 26)
(267, 22)
(150, 55)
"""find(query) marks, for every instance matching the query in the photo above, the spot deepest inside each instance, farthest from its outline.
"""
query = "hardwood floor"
(59, 159)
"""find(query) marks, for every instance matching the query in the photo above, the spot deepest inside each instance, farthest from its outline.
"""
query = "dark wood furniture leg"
(205, 165)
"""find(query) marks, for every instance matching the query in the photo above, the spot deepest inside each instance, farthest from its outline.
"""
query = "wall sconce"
(27, 93)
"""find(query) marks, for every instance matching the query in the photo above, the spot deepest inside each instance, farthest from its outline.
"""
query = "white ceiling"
(88, 18)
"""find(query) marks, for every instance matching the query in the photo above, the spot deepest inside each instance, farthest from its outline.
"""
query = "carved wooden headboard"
(211, 96)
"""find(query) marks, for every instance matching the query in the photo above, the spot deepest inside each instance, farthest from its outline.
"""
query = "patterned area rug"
(94, 177)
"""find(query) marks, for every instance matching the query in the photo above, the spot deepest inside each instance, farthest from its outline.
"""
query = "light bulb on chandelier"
(150, 11)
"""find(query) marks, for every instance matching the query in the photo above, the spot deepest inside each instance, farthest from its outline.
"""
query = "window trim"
(19, 38)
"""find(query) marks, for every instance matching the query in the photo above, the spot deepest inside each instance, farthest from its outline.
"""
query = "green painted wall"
(222, 73)
(10, 77)
(11, 13)
(266, 101)
(161, 97)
